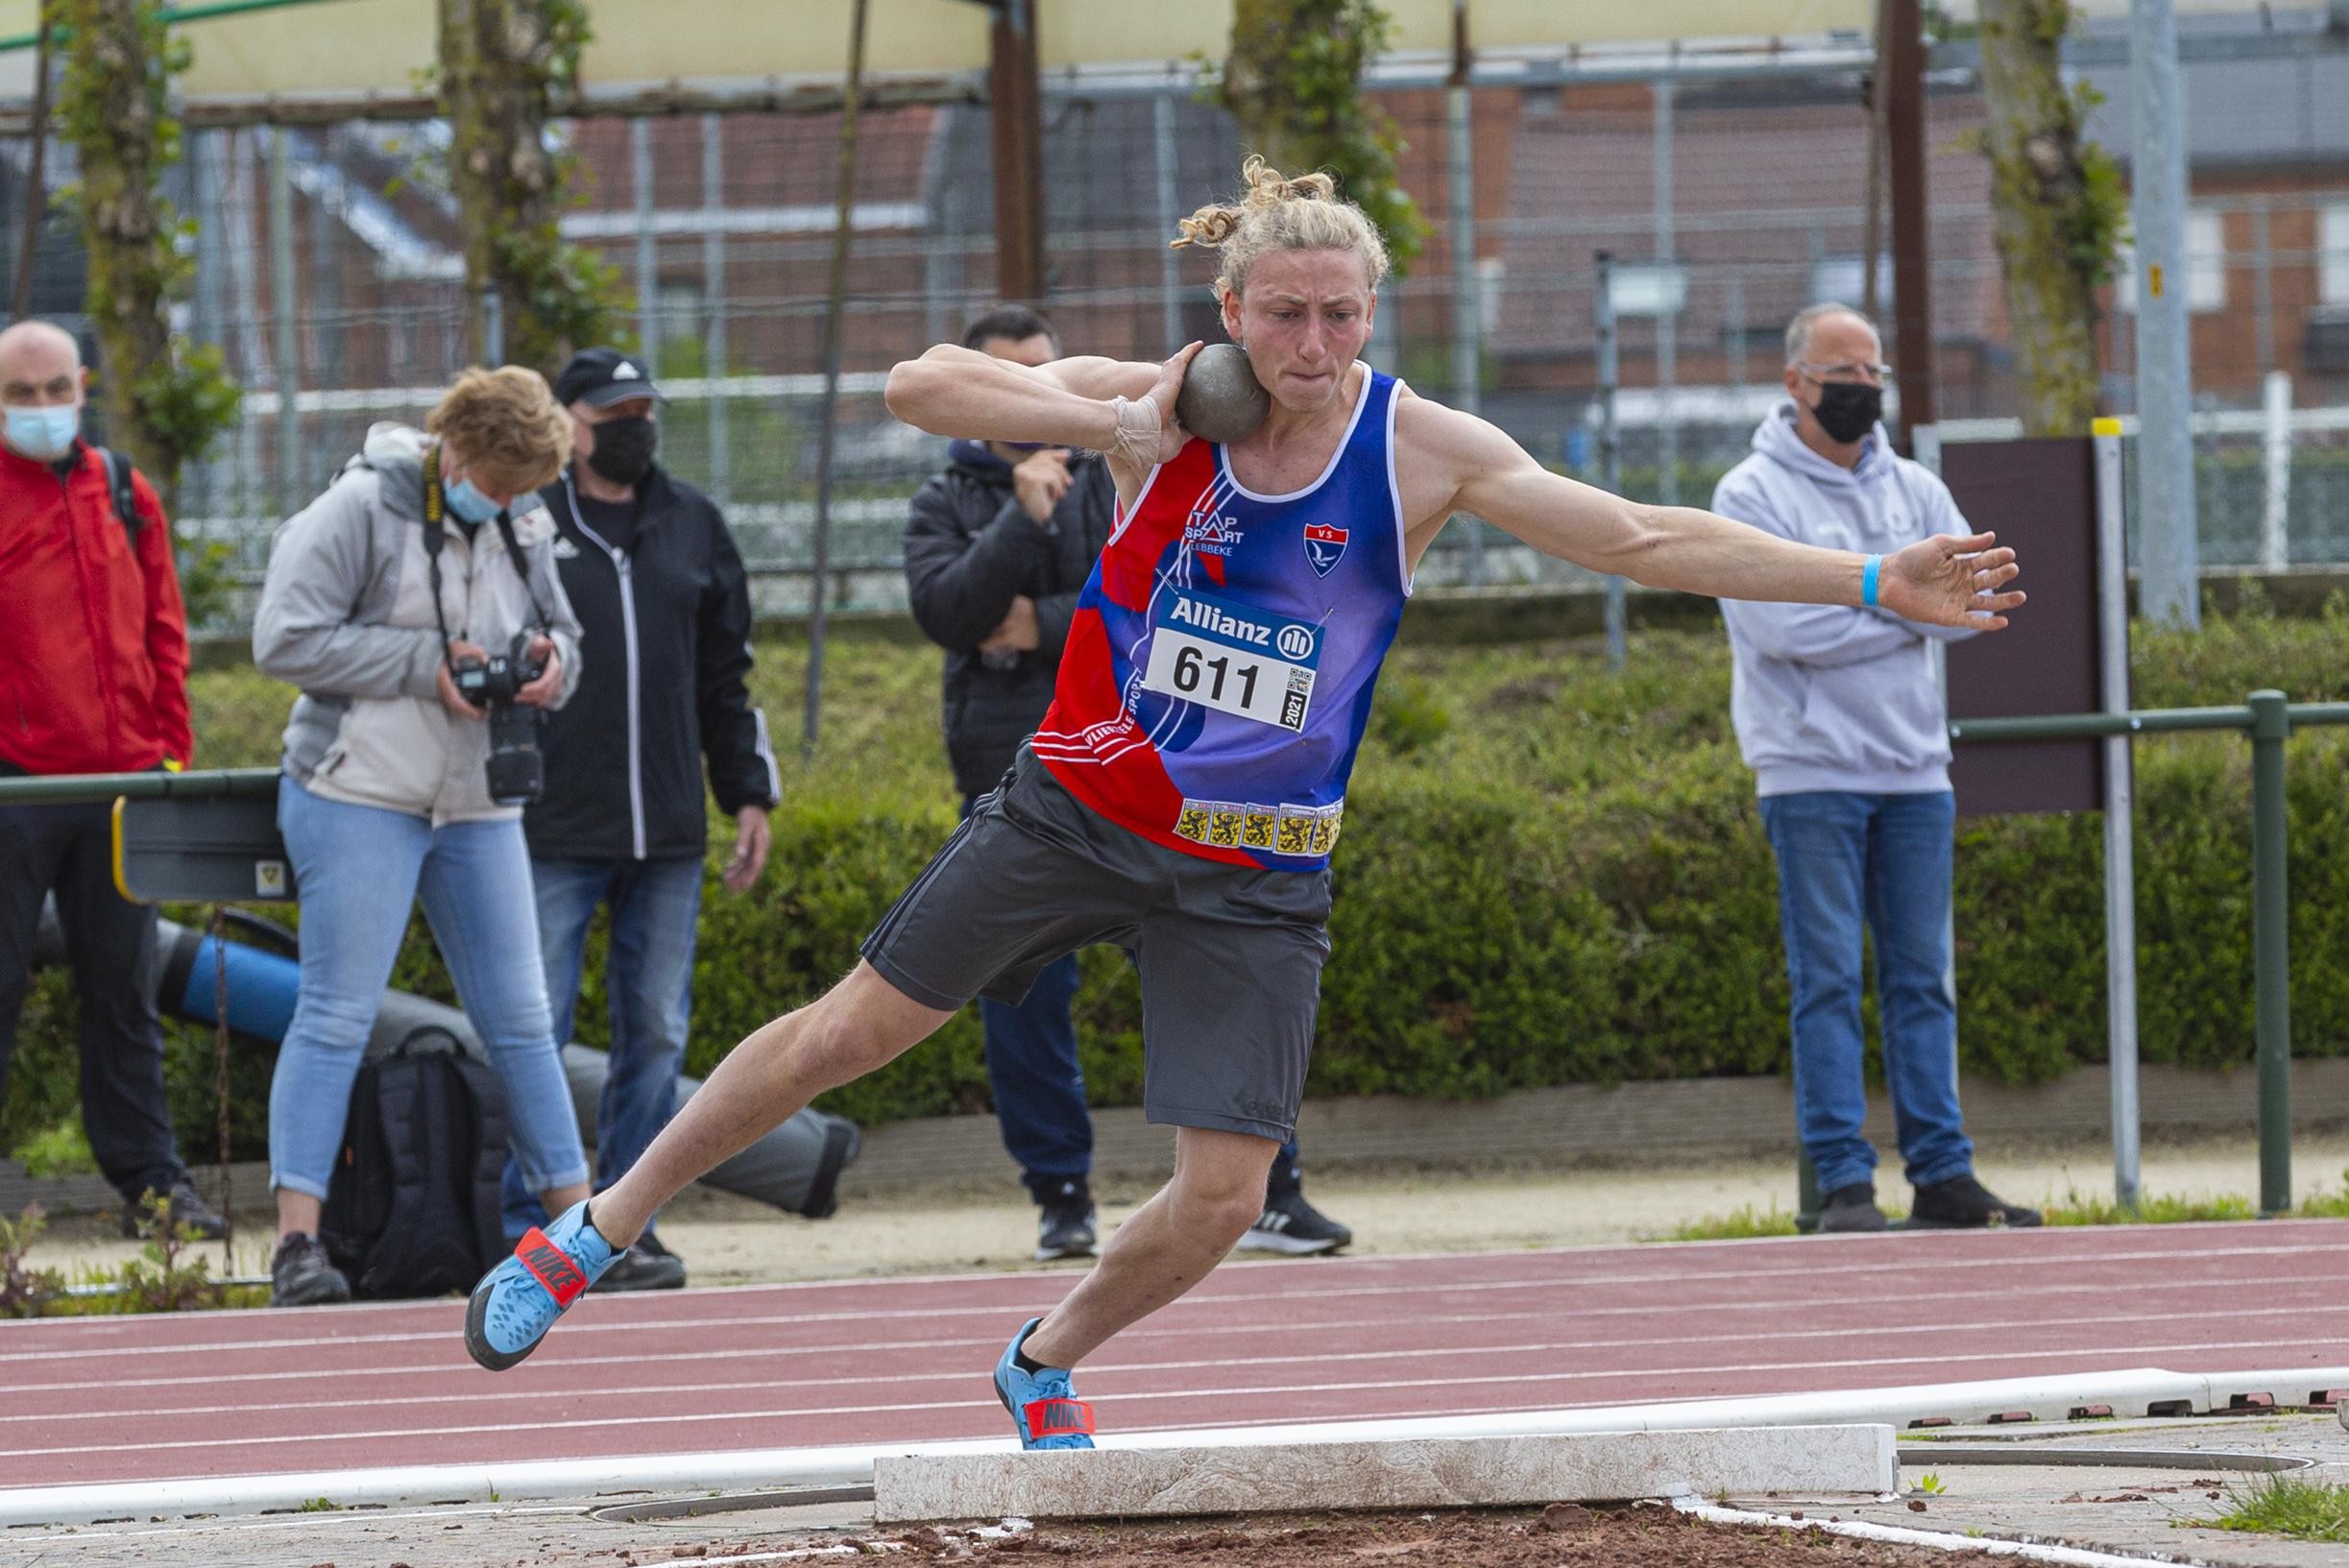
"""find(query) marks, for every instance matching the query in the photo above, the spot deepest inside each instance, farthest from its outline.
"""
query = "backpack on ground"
(414, 1205)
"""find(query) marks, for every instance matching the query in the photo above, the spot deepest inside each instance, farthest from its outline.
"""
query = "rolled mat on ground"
(795, 1167)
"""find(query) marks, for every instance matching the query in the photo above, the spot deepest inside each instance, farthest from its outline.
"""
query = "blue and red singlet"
(1219, 668)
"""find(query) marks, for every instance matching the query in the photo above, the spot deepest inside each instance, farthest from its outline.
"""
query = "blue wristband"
(1867, 580)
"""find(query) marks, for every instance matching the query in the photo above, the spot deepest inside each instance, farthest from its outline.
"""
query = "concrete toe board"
(1451, 1472)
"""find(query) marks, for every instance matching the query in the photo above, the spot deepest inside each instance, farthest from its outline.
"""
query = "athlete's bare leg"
(861, 1023)
(1169, 1245)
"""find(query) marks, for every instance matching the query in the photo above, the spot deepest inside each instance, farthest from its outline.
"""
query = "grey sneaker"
(183, 1207)
(1293, 1227)
(1851, 1209)
(646, 1265)
(303, 1275)
(1066, 1223)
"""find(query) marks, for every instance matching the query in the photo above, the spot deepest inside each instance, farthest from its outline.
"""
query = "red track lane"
(905, 1360)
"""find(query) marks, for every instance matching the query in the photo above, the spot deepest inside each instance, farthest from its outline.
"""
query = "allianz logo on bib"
(1190, 612)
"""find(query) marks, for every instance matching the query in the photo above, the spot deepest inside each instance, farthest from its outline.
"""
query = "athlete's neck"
(1285, 428)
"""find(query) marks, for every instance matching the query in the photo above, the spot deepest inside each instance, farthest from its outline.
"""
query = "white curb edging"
(1940, 1541)
(2127, 1393)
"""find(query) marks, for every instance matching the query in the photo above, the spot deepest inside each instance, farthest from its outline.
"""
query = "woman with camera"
(417, 605)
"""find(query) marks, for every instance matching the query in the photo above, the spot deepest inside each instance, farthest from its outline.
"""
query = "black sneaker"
(186, 1209)
(643, 1267)
(1963, 1203)
(1066, 1225)
(301, 1275)
(1295, 1227)
(1851, 1209)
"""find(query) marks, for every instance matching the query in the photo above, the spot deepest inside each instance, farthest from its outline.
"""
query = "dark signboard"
(2039, 497)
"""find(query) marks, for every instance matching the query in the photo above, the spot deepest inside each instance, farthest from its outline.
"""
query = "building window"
(1647, 288)
(2206, 266)
(1843, 279)
(2332, 257)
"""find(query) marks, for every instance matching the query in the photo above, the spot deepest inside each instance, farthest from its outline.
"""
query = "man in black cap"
(660, 590)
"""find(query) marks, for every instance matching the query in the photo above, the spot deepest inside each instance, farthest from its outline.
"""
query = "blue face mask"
(43, 434)
(468, 502)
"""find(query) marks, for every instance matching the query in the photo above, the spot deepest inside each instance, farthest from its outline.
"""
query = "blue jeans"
(1039, 1086)
(360, 869)
(1846, 860)
(648, 986)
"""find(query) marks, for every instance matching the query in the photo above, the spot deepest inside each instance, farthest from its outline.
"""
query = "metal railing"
(2267, 718)
(217, 784)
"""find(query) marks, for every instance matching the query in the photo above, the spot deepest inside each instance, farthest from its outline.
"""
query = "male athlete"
(1182, 795)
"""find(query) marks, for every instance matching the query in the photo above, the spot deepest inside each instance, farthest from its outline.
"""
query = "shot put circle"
(1220, 398)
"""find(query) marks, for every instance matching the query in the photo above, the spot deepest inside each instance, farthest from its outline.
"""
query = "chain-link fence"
(328, 268)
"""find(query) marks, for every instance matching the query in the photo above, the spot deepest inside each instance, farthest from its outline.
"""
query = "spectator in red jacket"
(93, 679)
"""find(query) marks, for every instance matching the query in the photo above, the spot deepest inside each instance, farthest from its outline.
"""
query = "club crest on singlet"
(1324, 546)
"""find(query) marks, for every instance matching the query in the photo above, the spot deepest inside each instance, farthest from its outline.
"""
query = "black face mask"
(624, 448)
(1847, 410)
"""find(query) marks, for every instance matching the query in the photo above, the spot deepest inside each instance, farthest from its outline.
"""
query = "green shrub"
(1550, 875)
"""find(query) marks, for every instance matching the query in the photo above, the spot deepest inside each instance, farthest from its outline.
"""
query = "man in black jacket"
(659, 588)
(997, 549)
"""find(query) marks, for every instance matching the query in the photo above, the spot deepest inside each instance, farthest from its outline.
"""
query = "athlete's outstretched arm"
(1944, 580)
(952, 391)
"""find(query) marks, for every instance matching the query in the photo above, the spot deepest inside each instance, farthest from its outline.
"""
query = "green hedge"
(1550, 875)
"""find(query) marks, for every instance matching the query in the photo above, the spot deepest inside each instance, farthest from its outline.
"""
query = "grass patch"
(58, 1150)
(2305, 1510)
(1737, 1225)
(2074, 1208)
(2079, 1209)
(166, 1276)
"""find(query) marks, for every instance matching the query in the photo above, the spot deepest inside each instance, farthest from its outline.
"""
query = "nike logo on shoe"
(1059, 1418)
(552, 1268)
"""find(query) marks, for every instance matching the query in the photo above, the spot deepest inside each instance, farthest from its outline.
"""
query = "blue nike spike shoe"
(518, 1301)
(1044, 1411)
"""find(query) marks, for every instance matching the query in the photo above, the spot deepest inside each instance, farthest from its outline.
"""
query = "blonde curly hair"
(507, 426)
(1276, 212)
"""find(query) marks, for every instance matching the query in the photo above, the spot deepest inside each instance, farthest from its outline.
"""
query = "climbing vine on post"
(165, 399)
(503, 64)
(2059, 211)
(1293, 82)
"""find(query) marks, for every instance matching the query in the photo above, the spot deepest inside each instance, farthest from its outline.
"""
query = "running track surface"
(129, 1399)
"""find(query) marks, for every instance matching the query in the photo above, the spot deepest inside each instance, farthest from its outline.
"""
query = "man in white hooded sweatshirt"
(1840, 714)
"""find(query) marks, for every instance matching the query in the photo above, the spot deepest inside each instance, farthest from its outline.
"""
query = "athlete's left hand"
(1171, 435)
(1948, 580)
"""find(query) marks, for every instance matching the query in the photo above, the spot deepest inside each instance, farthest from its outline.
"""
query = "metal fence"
(327, 268)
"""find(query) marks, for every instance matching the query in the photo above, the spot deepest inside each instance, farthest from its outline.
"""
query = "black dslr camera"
(517, 767)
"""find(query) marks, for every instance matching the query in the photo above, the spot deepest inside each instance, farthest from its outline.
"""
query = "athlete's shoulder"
(1427, 425)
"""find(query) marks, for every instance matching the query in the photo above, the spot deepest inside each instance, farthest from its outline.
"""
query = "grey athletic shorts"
(1230, 956)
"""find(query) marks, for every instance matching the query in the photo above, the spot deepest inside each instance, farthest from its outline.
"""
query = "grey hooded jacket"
(1834, 697)
(345, 613)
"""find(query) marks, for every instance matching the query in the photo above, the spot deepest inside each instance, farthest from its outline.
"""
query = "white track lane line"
(2334, 1237)
(1877, 1332)
(1219, 1305)
(1288, 1390)
(653, 1360)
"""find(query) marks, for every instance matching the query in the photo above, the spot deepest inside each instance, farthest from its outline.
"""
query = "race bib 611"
(1233, 658)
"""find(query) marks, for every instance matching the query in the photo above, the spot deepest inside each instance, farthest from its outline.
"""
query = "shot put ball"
(1220, 398)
